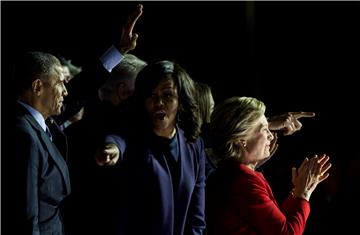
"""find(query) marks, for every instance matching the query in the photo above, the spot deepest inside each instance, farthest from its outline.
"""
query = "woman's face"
(258, 144)
(162, 107)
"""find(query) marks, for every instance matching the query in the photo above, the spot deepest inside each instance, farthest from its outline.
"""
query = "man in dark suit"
(115, 70)
(39, 178)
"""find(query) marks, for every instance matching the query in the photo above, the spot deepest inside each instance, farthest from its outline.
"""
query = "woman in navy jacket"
(161, 156)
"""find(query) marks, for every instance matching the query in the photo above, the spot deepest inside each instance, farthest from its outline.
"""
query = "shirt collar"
(36, 114)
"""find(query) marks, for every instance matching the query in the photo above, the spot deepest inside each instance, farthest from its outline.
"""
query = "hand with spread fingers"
(289, 122)
(311, 172)
(128, 38)
(108, 155)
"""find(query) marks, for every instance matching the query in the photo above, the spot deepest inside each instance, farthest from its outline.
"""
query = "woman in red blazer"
(239, 200)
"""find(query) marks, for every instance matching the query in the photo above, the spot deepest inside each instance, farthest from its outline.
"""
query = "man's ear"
(37, 86)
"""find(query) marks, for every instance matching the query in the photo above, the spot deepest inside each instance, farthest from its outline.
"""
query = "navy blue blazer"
(38, 180)
(152, 203)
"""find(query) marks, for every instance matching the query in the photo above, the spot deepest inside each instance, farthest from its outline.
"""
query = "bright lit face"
(53, 93)
(162, 107)
(258, 144)
(66, 72)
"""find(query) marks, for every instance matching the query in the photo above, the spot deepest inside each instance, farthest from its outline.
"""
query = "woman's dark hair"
(188, 117)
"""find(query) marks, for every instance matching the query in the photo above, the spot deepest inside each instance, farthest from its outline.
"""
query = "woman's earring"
(243, 143)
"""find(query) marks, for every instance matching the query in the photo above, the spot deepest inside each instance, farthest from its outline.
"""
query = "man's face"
(54, 91)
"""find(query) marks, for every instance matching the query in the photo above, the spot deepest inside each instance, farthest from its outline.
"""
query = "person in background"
(90, 194)
(239, 200)
(206, 106)
(115, 96)
(72, 110)
(162, 158)
(39, 180)
(92, 181)
(69, 69)
(121, 83)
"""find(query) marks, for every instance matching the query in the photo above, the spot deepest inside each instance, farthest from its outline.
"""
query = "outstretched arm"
(289, 122)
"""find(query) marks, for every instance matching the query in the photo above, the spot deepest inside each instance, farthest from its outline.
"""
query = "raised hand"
(309, 175)
(289, 122)
(128, 38)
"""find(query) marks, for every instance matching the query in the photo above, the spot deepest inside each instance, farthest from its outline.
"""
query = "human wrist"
(123, 50)
(304, 194)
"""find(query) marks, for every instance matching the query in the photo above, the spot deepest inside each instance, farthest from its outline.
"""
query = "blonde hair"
(232, 119)
(204, 97)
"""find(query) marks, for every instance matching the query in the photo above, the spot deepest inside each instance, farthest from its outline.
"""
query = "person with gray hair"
(121, 82)
(239, 200)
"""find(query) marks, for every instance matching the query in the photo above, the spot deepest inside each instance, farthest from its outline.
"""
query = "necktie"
(48, 132)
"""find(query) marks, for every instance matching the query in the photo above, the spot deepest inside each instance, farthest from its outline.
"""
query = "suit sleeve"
(27, 157)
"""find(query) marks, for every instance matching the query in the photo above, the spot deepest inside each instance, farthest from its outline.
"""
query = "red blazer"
(240, 201)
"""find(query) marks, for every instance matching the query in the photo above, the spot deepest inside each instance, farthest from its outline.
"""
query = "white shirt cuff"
(111, 58)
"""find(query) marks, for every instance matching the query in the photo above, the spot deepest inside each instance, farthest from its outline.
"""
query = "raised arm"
(289, 122)
(128, 38)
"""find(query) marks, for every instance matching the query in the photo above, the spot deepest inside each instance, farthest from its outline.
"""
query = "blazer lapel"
(186, 164)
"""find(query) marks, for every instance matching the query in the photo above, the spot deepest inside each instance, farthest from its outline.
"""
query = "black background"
(294, 56)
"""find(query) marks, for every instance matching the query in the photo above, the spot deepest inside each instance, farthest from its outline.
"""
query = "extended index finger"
(134, 16)
(302, 114)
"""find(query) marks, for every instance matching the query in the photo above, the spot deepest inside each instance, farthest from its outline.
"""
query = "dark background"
(294, 56)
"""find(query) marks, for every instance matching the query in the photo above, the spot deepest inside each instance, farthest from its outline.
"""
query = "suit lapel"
(59, 137)
(53, 151)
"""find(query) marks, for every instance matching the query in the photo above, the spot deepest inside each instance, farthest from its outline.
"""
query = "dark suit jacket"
(58, 137)
(82, 140)
(38, 181)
